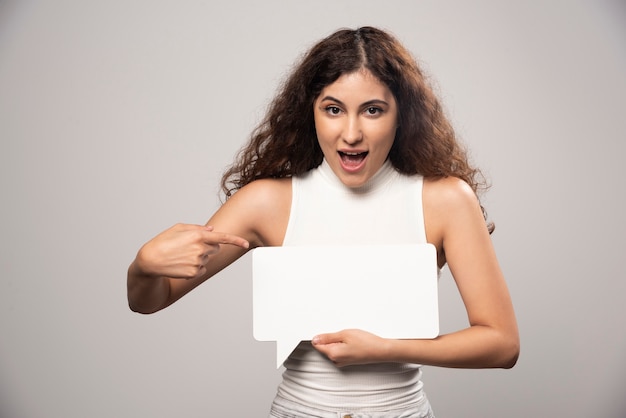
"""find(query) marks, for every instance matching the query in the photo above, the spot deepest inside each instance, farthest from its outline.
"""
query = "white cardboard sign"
(301, 291)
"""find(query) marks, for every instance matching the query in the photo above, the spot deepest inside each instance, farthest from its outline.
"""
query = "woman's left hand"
(351, 346)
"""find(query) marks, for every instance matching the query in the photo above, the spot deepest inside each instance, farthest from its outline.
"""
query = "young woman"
(355, 149)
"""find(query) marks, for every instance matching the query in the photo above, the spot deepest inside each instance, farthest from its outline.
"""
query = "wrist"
(140, 267)
(387, 350)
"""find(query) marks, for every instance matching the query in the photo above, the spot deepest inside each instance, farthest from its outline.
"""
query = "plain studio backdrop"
(117, 119)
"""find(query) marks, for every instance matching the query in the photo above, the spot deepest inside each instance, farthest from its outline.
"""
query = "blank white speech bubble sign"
(301, 291)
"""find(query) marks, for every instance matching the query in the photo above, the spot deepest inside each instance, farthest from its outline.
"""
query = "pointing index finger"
(226, 238)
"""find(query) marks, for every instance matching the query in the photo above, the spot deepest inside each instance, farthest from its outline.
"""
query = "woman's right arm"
(182, 257)
(176, 261)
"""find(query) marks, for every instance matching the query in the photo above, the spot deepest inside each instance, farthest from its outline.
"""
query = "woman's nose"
(352, 131)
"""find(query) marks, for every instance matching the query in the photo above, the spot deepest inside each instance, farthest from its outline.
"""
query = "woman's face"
(355, 120)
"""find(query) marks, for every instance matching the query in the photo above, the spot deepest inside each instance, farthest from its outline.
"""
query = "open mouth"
(352, 159)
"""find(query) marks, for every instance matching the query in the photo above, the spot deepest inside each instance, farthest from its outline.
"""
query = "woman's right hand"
(183, 251)
(182, 257)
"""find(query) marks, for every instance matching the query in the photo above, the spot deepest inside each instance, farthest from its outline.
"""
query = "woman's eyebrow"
(367, 103)
(375, 102)
(332, 99)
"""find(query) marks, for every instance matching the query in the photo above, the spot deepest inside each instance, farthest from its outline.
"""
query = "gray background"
(118, 117)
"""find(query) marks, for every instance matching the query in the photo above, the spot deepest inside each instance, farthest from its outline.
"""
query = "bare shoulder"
(450, 205)
(448, 193)
(263, 206)
(265, 191)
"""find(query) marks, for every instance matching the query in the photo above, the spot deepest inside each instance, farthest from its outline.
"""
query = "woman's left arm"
(456, 226)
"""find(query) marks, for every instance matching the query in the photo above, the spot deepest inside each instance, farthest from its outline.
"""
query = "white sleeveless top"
(387, 209)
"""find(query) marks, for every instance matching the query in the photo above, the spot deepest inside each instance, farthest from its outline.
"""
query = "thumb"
(323, 339)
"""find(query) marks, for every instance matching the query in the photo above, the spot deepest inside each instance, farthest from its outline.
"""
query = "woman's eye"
(333, 110)
(373, 111)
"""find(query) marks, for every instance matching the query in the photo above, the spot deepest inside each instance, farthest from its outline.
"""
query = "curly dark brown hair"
(285, 143)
